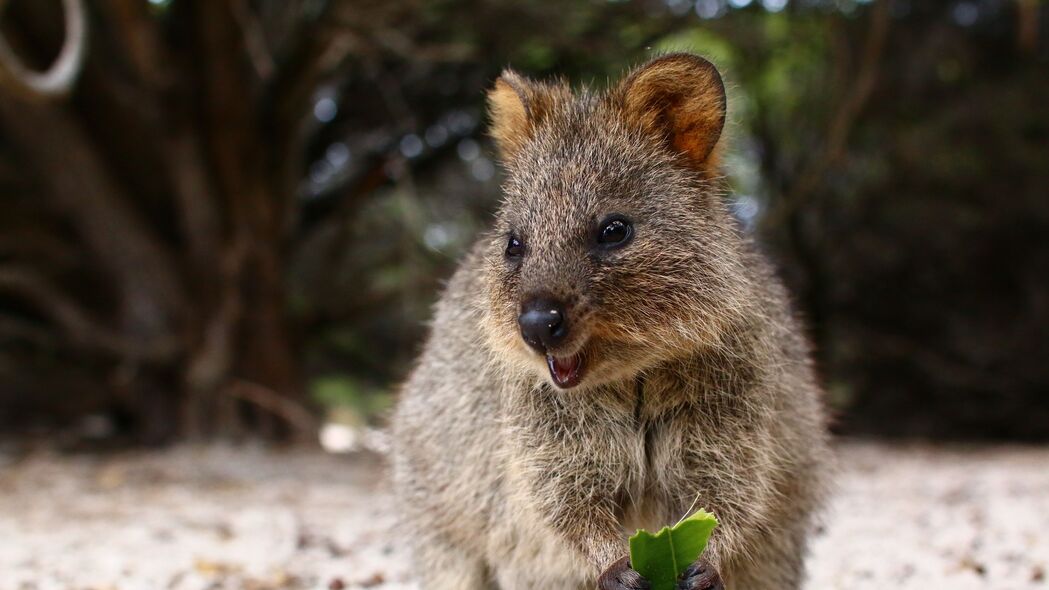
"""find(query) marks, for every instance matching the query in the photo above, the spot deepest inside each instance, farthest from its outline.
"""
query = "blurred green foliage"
(859, 155)
(350, 400)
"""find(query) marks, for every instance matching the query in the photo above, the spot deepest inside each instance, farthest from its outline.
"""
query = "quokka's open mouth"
(566, 371)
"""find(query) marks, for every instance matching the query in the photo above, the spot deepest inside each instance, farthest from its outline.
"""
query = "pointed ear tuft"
(516, 106)
(679, 97)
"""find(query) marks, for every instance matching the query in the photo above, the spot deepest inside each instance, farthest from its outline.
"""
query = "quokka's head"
(612, 250)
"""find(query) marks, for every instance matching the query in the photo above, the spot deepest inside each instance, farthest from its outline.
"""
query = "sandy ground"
(248, 519)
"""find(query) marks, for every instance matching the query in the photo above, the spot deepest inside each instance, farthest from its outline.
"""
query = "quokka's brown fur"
(698, 388)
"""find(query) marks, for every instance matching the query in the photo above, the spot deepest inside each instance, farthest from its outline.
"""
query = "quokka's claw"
(620, 576)
(700, 576)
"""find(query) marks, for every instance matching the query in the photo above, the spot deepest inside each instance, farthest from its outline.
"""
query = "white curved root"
(59, 79)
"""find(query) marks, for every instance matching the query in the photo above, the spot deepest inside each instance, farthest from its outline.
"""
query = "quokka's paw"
(700, 576)
(619, 576)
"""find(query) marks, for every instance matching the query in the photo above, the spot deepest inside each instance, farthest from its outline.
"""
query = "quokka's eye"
(514, 248)
(615, 232)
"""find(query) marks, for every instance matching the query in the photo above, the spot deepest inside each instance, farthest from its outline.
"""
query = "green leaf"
(662, 557)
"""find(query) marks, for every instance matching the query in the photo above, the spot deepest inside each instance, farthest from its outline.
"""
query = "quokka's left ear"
(681, 98)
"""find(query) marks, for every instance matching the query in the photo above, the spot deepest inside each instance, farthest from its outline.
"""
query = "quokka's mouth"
(566, 371)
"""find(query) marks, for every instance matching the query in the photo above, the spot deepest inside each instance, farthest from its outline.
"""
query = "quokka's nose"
(543, 323)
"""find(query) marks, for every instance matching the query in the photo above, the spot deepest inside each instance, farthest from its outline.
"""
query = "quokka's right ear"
(680, 98)
(517, 106)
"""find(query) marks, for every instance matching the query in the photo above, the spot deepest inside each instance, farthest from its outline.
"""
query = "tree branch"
(842, 121)
(77, 323)
(136, 31)
(1027, 16)
(169, 119)
(17, 329)
(254, 40)
(292, 412)
(85, 193)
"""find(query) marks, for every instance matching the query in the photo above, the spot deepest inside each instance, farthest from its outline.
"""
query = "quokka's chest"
(652, 487)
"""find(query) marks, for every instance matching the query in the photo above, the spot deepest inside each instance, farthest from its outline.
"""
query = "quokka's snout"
(546, 325)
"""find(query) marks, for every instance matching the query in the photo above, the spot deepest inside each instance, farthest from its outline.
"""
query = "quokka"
(611, 353)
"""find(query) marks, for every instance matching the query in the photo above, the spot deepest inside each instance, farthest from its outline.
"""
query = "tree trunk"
(158, 163)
